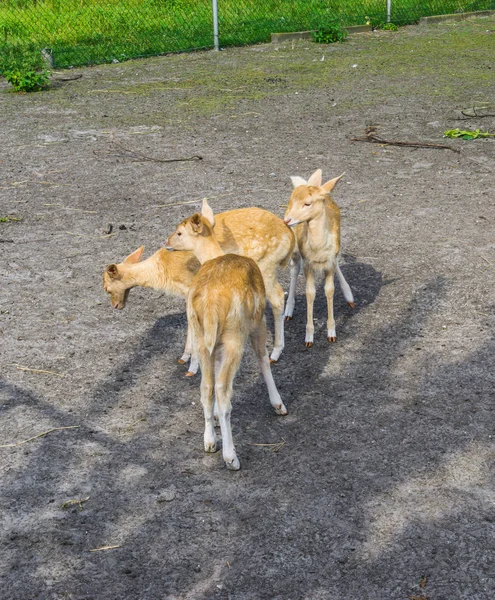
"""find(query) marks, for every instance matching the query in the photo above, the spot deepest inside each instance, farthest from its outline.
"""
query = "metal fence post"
(214, 4)
(389, 10)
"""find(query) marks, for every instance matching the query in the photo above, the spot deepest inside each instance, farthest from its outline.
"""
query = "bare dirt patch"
(384, 485)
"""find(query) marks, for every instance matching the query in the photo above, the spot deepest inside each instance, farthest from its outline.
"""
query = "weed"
(467, 134)
(332, 32)
(27, 80)
(389, 27)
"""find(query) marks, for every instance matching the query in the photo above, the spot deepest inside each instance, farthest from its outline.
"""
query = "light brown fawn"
(225, 306)
(252, 232)
(316, 221)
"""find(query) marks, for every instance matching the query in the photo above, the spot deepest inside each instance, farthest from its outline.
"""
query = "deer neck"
(148, 273)
(208, 248)
(318, 230)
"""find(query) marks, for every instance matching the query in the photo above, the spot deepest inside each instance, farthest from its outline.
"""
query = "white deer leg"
(223, 394)
(194, 364)
(329, 292)
(188, 349)
(295, 267)
(210, 438)
(258, 341)
(310, 299)
(275, 295)
(346, 289)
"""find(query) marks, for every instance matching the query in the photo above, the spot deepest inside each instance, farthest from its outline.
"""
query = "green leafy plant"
(27, 80)
(330, 33)
(467, 134)
(389, 27)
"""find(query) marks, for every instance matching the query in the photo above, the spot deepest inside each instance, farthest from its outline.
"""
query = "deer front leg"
(310, 299)
(188, 349)
(295, 267)
(329, 291)
(275, 295)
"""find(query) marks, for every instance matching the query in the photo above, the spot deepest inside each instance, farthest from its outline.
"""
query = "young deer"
(252, 232)
(225, 306)
(316, 221)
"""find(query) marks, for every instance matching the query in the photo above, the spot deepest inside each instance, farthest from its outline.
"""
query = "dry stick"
(486, 260)
(275, 447)
(137, 156)
(372, 137)
(38, 436)
(105, 548)
(22, 368)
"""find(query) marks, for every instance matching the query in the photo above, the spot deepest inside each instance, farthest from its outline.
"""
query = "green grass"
(94, 31)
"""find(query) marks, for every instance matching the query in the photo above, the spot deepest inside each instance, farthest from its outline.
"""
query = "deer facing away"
(225, 306)
(316, 221)
(252, 232)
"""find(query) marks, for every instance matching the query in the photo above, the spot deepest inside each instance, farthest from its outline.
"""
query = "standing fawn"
(252, 232)
(316, 221)
(225, 306)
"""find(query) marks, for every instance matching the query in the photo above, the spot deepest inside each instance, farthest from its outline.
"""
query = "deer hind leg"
(207, 381)
(275, 295)
(329, 291)
(258, 341)
(225, 372)
(310, 300)
(346, 288)
(295, 268)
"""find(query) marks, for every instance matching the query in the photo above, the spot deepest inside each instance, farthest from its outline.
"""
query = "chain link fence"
(82, 32)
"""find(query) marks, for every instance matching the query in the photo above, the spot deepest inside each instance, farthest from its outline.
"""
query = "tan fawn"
(316, 221)
(225, 306)
(252, 232)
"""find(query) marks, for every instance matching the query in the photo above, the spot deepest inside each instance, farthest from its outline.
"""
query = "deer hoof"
(287, 318)
(308, 344)
(180, 361)
(233, 465)
(272, 360)
(332, 339)
(189, 374)
(281, 410)
(351, 304)
(211, 447)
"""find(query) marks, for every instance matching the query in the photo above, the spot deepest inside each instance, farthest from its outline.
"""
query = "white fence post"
(215, 24)
(389, 10)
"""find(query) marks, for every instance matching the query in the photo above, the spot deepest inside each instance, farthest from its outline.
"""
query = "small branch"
(275, 447)
(70, 503)
(38, 436)
(486, 260)
(371, 136)
(137, 156)
(42, 371)
(105, 548)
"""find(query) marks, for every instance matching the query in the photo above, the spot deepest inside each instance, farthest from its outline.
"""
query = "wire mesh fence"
(79, 32)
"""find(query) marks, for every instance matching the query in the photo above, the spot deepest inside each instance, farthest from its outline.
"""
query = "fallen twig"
(137, 156)
(42, 371)
(105, 548)
(486, 260)
(371, 136)
(68, 78)
(70, 503)
(275, 447)
(38, 436)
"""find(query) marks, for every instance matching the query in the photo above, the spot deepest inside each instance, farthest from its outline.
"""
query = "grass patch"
(81, 32)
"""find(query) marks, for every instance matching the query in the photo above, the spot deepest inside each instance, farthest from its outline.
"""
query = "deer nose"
(287, 221)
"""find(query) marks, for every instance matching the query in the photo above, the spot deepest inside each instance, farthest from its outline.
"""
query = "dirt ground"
(384, 486)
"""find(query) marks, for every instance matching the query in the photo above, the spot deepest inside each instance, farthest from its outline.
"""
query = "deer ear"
(315, 179)
(329, 185)
(207, 212)
(135, 257)
(196, 223)
(113, 271)
(297, 181)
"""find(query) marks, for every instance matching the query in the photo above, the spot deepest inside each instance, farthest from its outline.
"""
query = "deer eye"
(307, 204)
(179, 233)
